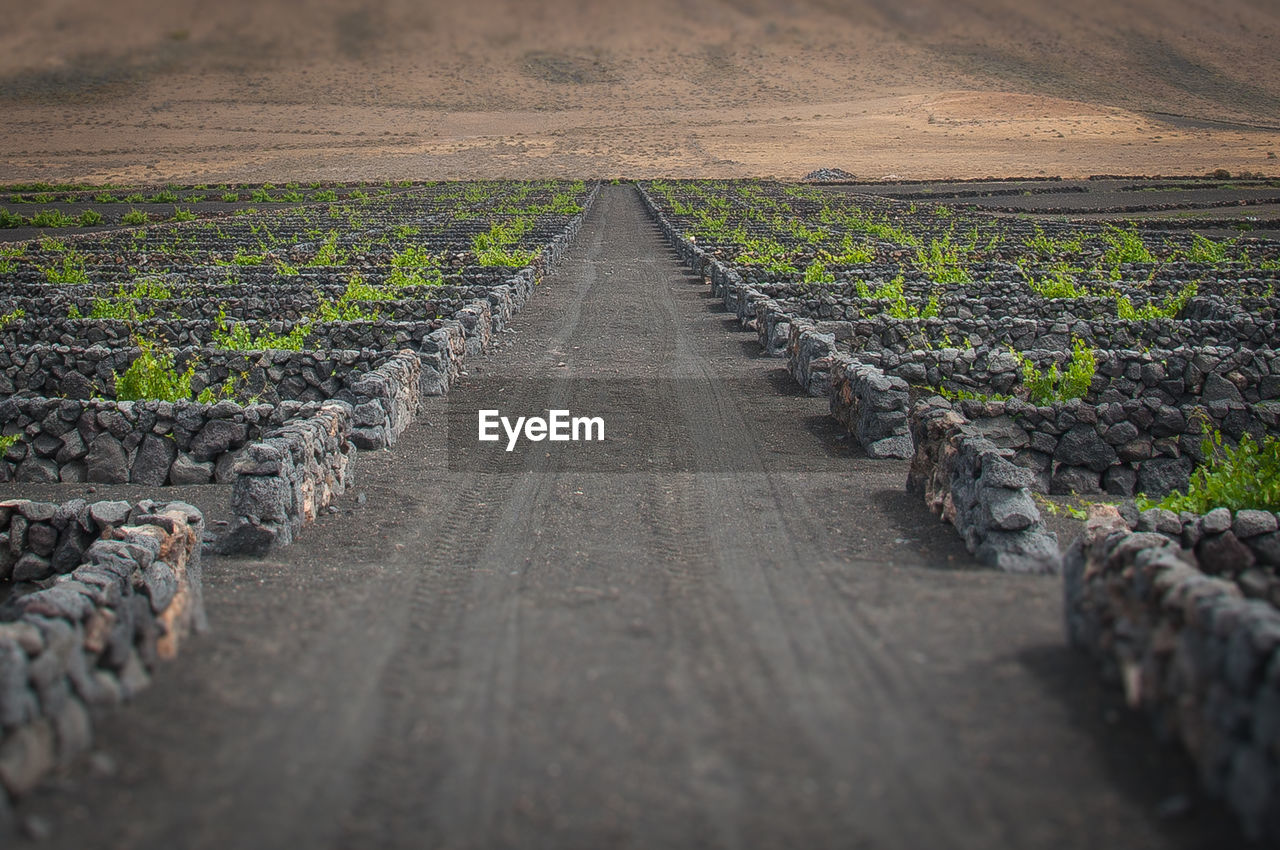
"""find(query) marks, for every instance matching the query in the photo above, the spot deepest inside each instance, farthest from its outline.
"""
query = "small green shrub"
(329, 254)
(52, 218)
(152, 375)
(1051, 385)
(1241, 478)
(212, 395)
(1205, 250)
(134, 216)
(943, 262)
(11, 317)
(1172, 305)
(324, 195)
(8, 442)
(1046, 247)
(122, 309)
(816, 272)
(230, 197)
(1124, 246)
(238, 337)
(1057, 280)
(10, 219)
(180, 214)
(70, 270)
(164, 197)
(89, 218)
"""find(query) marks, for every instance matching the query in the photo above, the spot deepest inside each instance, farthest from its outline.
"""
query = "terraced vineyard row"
(261, 352)
(1025, 366)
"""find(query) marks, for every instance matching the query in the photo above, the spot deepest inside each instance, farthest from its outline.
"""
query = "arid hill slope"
(142, 89)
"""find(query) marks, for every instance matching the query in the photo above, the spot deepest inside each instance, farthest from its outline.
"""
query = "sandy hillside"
(175, 89)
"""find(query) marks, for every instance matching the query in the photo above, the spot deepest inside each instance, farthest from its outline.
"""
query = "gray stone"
(263, 458)
(1031, 550)
(38, 511)
(112, 513)
(161, 585)
(265, 497)
(369, 414)
(1122, 433)
(75, 472)
(1079, 480)
(1267, 548)
(997, 472)
(18, 534)
(1255, 582)
(1120, 481)
(224, 468)
(113, 556)
(77, 386)
(32, 567)
(26, 755)
(151, 464)
(46, 445)
(61, 600)
(187, 470)
(1081, 446)
(42, 537)
(114, 422)
(1219, 389)
(17, 702)
(1140, 449)
(1161, 476)
(224, 409)
(1250, 523)
(1168, 421)
(37, 470)
(1216, 521)
(899, 446)
(366, 439)
(26, 635)
(1010, 510)
(1159, 520)
(216, 437)
(107, 462)
(69, 552)
(1223, 554)
(246, 537)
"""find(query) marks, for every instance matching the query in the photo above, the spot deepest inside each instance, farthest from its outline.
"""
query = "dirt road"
(786, 651)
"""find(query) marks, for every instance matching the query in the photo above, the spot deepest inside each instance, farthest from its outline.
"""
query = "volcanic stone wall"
(91, 636)
(1188, 649)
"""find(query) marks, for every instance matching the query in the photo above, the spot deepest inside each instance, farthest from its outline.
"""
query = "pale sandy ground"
(150, 90)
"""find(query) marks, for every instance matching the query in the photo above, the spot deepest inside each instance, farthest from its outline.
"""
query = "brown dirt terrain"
(150, 90)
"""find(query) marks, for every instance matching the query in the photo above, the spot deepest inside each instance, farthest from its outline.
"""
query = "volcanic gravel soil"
(786, 652)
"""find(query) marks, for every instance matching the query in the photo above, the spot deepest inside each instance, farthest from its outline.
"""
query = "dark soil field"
(788, 652)
(1214, 207)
